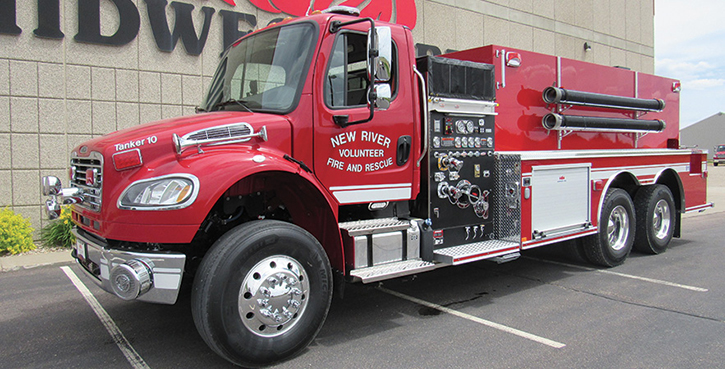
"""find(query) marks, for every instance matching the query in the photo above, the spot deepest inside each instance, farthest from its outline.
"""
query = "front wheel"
(611, 246)
(262, 293)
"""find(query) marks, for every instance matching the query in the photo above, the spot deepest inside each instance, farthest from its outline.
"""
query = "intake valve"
(451, 163)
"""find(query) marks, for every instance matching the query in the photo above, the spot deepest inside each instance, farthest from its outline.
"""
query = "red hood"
(150, 136)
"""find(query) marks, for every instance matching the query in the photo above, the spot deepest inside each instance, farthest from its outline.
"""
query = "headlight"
(174, 191)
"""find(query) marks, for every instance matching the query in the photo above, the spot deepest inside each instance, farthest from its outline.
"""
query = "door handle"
(403, 154)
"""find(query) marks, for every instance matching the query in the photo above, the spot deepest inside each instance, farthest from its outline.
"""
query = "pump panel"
(461, 174)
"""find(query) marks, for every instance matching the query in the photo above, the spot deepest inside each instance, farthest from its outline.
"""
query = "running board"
(475, 251)
(373, 226)
(391, 270)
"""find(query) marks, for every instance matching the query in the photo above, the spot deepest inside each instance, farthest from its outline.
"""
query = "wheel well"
(273, 195)
(626, 181)
(669, 178)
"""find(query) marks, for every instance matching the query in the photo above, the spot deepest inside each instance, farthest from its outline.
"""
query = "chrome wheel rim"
(273, 296)
(661, 221)
(618, 228)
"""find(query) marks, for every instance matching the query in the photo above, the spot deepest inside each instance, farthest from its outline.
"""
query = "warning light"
(513, 59)
(127, 159)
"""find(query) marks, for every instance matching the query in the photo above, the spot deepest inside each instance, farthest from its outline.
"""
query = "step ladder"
(400, 236)
(392, 270)
(499, 250)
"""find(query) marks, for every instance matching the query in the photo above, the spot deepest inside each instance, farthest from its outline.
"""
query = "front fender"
(230, 169)
(217, 170)
(311, 206)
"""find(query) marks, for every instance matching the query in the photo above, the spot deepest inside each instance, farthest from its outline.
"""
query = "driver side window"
(346, 81)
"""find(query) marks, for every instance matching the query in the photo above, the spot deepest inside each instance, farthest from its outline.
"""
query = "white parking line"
(128, 351)
(475, 319)
(651, 280)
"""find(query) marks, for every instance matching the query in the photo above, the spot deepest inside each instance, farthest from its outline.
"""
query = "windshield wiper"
(241, 103)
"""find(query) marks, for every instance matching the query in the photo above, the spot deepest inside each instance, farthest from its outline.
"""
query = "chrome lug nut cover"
(273, 296)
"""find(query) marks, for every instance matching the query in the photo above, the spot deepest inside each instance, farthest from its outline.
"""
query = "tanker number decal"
(136, 143)
(360, 159)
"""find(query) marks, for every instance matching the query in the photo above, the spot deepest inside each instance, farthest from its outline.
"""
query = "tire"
(715, 164)
(655, 209)
(617, 224)
(262, 293)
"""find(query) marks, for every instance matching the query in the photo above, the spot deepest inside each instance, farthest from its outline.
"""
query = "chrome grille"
(229, 131)
(91, 191)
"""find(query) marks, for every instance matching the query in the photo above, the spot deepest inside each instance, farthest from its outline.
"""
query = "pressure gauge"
(489, 142)
(471, 142)
(461, 127)
(477, 142)
(458, 142)
(436, 142)
(469, 126)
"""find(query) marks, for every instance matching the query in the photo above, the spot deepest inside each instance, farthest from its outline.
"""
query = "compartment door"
(561, 199)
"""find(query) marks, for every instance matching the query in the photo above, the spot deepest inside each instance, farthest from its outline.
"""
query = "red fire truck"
(325, 151)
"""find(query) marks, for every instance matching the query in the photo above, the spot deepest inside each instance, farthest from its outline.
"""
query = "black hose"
(556, 95)
(562, 122)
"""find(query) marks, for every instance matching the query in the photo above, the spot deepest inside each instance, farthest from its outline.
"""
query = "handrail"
(424, 96)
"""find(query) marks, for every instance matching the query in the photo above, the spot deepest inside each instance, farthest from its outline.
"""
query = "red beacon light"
(127, 159)
(513, 59)
(676, 87)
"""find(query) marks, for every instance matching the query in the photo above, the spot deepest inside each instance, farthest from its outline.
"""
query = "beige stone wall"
(55, 94)
(621, 32)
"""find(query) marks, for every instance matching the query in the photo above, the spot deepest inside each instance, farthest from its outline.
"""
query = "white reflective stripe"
(642, 170)
(606, 173)
(167, 281)
(368, 187)
(167, 270)
(384, 194)
(578, 154)
(105, 273)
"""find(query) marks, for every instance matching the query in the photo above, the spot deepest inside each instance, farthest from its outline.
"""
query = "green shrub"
(58, 232)
(15, 233)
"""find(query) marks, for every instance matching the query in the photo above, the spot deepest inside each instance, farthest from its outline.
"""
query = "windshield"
(264, 72)
(721, 148)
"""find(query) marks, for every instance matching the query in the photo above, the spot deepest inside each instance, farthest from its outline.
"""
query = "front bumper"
(156, 277)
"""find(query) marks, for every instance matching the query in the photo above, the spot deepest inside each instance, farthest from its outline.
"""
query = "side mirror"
(51, 186)
(383, 96)
(385, 54)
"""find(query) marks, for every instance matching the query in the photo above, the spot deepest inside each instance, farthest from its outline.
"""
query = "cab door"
(367, 162)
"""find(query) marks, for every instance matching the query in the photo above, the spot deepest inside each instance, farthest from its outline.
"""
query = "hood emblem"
(91, 177)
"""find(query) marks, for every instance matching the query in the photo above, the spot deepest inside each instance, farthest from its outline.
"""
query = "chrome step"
(506, 257)
(371, 226)
(475, 251)
(391, 270)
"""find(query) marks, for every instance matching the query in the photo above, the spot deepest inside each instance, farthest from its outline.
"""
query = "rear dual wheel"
(655, 209)
(262, 293)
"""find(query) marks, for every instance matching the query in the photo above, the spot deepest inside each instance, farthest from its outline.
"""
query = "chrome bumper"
(149, 277)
